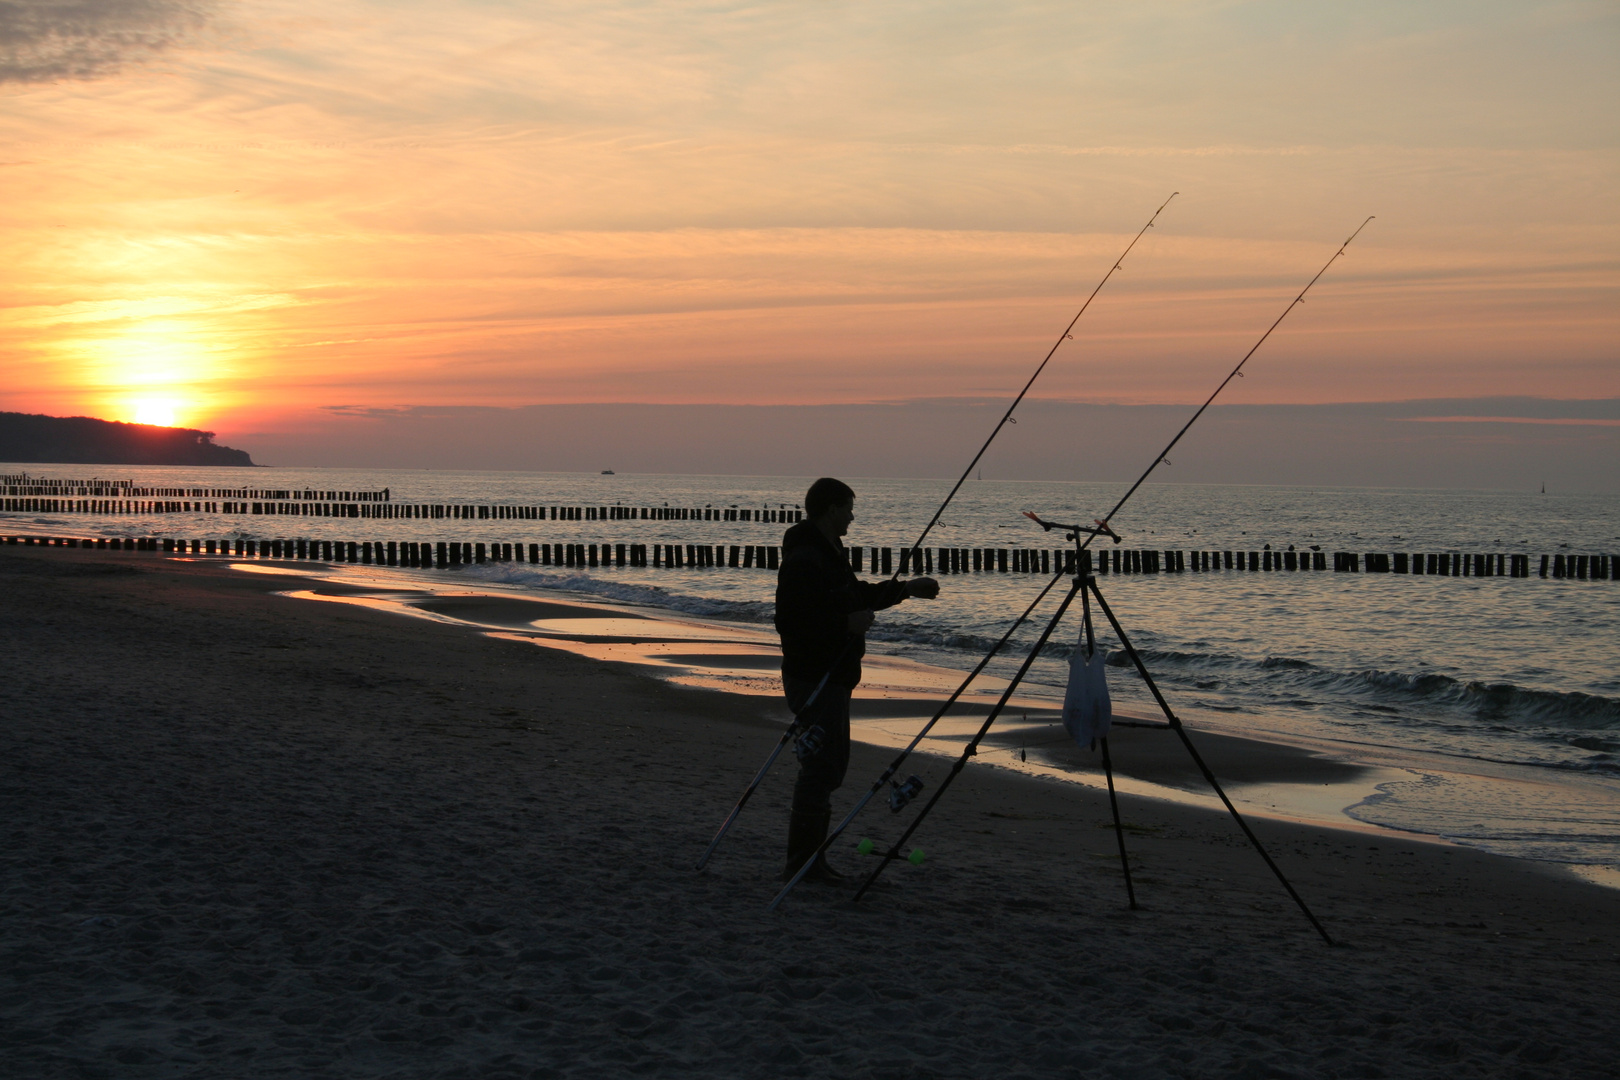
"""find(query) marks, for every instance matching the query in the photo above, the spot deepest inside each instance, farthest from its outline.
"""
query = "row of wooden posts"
(391, 511)
(445, 554)
(24, 486)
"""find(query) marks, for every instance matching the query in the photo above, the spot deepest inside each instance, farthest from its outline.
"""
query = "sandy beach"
(248, 835)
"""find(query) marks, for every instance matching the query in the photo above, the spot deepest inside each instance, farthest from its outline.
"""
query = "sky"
(295, 224)
(1501, 443)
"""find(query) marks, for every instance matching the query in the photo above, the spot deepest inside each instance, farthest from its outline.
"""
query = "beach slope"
(252, 836)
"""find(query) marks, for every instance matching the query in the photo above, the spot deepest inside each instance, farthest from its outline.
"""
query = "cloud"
(45, 41)
(138, 310)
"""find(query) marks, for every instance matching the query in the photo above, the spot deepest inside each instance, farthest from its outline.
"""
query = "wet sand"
(255, 836)
(899, 695)
(507, 611)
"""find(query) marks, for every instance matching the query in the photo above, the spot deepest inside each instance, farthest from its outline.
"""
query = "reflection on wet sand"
(508, 610)
(898, 696)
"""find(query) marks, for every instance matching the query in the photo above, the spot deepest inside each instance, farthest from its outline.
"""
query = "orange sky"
(237, 216)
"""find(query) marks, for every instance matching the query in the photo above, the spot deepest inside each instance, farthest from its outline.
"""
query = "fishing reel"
(904, 793)
(809, 743)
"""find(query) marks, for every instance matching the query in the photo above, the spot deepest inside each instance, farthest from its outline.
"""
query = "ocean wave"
(1507, 705)
(751, 611)
(1509, 818)
(1494, 703)
(1282, 680)
(1503, 704)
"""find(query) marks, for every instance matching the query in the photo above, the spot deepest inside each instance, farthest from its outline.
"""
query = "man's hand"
(923, 588)
(860, 621)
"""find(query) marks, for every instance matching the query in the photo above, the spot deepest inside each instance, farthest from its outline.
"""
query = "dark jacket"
(815, 593)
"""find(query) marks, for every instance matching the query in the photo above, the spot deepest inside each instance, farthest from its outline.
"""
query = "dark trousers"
(822, 772)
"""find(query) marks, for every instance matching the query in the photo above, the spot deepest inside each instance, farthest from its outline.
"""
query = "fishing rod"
(759, 777)
(793, 727)
(1102, 528)
(1090, 535)
(899, 798)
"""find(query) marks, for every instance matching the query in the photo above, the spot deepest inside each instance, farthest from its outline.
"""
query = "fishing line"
(916, 547)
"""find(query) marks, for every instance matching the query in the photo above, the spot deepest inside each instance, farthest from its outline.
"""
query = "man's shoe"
(823, 874)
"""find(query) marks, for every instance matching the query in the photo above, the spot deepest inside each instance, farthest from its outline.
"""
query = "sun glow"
(162, 412)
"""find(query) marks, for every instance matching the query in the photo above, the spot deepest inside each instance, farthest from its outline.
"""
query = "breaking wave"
(1499, 703)
(751, 611)
(1494, 704)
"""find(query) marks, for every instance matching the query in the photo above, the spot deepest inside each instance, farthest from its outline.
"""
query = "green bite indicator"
(865, 846)
(916, 856)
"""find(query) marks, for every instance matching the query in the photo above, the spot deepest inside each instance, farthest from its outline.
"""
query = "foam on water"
(1517, 817)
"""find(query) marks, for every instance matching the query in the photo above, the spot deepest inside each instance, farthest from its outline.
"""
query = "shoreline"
(1282, 775)
(314, 838)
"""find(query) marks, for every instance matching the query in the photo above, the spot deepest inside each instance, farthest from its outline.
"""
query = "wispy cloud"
(45, 41)
(150, 307)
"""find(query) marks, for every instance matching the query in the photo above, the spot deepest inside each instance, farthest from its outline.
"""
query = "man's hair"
(825, 493)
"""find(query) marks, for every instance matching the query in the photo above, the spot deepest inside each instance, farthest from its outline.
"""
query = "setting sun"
(159, 411)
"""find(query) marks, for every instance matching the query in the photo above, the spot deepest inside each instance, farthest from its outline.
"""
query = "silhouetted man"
(822, 613)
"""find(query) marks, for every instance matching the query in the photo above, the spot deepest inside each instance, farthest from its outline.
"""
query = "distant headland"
(82, 440)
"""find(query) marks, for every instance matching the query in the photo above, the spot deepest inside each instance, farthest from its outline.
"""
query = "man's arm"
(877, 595)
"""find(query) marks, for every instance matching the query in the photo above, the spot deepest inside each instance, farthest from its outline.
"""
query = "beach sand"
(247, 835)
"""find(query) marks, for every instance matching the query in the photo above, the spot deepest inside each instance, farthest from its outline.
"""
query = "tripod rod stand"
(1085, 585)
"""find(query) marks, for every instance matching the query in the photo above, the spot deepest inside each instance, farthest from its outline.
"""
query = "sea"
(1491, 705)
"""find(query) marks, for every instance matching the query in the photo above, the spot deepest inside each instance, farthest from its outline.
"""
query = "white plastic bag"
(1087, 711)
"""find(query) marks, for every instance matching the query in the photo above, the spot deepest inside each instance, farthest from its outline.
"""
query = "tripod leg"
(1175, 723)
(1119, 829)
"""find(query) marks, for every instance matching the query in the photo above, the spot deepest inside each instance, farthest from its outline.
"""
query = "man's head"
(830, 505)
